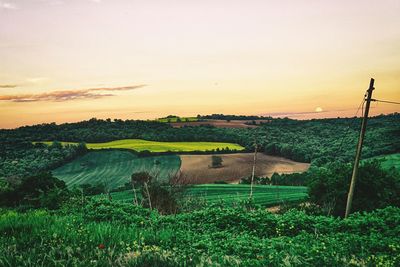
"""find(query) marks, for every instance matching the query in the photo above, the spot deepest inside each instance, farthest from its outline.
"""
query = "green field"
(388, 161)
(175, 119)
(263, 194)
(154, 146)
(114, 168)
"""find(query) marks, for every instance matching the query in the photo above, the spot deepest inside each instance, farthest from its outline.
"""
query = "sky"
(71, 60)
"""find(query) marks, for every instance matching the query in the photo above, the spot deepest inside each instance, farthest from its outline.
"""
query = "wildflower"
(101, 246)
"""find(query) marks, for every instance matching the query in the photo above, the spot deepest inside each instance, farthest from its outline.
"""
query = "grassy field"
(389, 161)
(175, 119)
(154, 146)
(263, 194)
(115, 168)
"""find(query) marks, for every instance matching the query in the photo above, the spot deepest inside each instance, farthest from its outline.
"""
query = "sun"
(319, 109)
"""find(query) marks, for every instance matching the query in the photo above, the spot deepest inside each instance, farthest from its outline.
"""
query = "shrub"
(375, 187)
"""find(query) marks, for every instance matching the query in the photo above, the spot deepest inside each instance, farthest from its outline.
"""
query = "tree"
(42, 190)
(376, 187)
(142, 179)
(216, 161)
(91, 190)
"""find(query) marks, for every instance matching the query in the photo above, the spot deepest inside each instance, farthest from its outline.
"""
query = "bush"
(37, 191)
(103, 210)
(375, 187)
(216, 161)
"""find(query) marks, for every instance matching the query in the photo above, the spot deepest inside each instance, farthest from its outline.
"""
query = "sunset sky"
(70, 60)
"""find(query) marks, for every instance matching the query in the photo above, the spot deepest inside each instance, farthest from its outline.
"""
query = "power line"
(384, 101)
(350, 124)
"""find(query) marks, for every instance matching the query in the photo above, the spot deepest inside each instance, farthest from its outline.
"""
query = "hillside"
(114, 168)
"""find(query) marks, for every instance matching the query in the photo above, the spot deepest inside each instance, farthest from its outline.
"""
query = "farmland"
(264, 195)
(234, 167)
(177, 119)
(155, 146)
(201, 222)
(114, 168)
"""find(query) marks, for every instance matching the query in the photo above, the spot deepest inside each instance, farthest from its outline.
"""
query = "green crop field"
(114, 168)
(389, 161)
(263, 194)
(154, 146)
(175, 119)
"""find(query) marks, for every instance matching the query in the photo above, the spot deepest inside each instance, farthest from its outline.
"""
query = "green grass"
(175, 119)
(154, 146)
(388, 161)
(263, 194)
(115, 167)
(104, 233)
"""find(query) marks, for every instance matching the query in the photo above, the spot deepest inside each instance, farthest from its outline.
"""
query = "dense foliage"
(103, 233)
(328, 140)
(38, 191)
(318, 141)
(21, 159)
(375, 188)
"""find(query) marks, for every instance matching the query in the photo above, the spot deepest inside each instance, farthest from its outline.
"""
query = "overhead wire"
(385, 101)
(362, 114)
(350, 124)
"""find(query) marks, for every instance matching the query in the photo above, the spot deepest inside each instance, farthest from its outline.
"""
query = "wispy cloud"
(68, 95)
(37, 79)
(8, 85)
(7, 5)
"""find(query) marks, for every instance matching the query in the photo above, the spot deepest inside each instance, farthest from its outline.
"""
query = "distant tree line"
(317, 141)
(21, 159)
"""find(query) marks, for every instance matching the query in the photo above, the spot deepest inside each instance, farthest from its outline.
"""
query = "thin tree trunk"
(254, 170)
(135, 199)
(109, 195)
(148, 194)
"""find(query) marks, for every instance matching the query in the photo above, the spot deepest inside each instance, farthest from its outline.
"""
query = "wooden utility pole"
(254, 166)
(359, 148)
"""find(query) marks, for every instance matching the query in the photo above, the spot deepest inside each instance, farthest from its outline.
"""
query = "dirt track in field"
(195, 169)
(219, 123)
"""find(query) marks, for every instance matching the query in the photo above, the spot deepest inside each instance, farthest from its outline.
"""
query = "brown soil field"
(195, 169)
(219, 123)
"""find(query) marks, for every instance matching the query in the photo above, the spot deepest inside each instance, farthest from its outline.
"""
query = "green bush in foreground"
(103, 233)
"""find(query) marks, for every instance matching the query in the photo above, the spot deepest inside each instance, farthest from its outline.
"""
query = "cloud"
(6, 5)
(68, 95)
(8, 85)
(37, 79)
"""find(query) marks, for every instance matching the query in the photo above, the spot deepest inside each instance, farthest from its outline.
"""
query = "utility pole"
(254, 166)
(359, 148)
